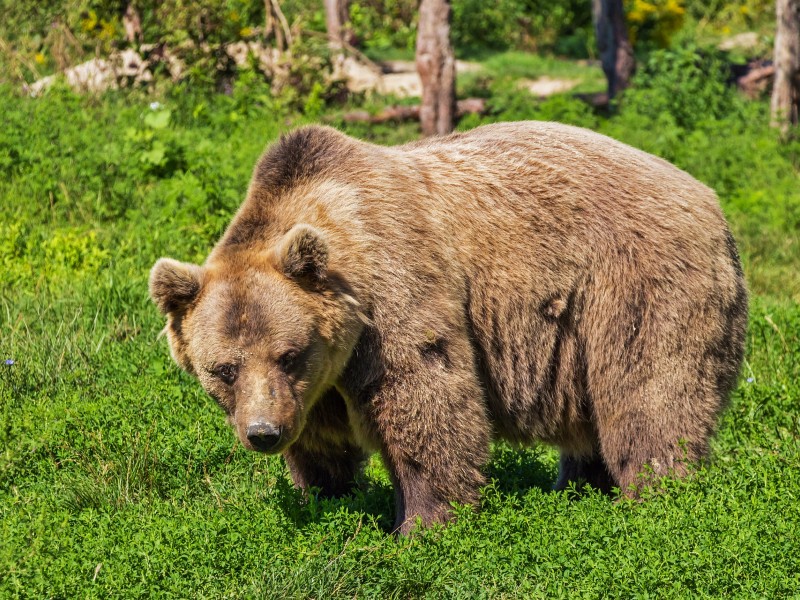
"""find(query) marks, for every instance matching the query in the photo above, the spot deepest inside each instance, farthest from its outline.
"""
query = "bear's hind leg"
(639, 449)
(583, 470)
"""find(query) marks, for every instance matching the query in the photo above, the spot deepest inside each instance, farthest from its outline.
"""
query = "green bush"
(563, 26)
(510, 102)
(683, 86)
(653, 22)
(384, 24)
(722, 14)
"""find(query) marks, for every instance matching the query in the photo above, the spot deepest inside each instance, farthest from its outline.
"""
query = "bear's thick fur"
(524, 281)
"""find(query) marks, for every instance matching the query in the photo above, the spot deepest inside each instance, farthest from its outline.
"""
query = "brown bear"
(522, 281)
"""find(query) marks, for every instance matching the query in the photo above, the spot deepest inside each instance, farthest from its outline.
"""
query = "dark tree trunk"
(436, 66)
(616, 52)
(786, 90)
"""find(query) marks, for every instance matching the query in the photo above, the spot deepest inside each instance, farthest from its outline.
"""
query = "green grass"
(511, 68)
(532, 66)
(119, 477)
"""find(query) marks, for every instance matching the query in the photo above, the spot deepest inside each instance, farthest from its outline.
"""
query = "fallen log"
(598, 100)
(757, 80)
(411, 113)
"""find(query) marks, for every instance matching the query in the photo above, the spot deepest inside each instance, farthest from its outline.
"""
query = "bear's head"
(266, 331)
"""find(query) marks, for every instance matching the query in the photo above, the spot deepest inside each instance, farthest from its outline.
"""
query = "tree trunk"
(616, 52)
(336, 17)
(276, 26)
(436, 65)
(786, 90)
(132, 24)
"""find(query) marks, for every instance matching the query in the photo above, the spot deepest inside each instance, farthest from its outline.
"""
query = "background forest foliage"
(52, 33)
(119, 477)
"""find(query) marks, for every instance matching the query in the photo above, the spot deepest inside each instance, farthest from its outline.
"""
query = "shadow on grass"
(368, 497)
(518, 470)
(513, 471)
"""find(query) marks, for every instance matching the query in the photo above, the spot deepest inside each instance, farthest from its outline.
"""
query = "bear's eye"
(288, 361)
(227, 373)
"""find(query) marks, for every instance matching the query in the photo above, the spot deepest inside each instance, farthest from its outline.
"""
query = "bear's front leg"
(435, 441)
(333, 470)
(325, 456)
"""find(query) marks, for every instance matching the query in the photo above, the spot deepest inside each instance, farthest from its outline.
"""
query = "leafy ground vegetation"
(119, 478)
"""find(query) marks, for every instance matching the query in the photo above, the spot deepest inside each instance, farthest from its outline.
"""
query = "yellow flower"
(674, 7)
(656, 20)
(90, 22)
(108, 30)
(39, 58)
(246, 32)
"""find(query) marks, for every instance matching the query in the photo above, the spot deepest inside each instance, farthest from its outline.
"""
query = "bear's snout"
(264, 437)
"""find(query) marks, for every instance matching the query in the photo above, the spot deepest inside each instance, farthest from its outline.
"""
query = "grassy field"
(119, 477)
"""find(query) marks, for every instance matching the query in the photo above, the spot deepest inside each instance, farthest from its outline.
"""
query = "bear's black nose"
(263, 436)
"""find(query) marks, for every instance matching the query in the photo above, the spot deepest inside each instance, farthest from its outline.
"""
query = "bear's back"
(600, 170)
(528, 185)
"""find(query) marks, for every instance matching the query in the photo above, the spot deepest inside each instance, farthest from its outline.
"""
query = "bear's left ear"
(174, 285)
(303, 253)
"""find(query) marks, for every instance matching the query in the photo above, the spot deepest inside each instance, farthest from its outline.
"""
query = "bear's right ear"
(302, 253)
(174, 284)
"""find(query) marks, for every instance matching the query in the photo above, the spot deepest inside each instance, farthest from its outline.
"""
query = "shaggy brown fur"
(524, 281)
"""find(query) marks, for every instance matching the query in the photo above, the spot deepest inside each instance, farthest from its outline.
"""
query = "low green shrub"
(684, 86)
